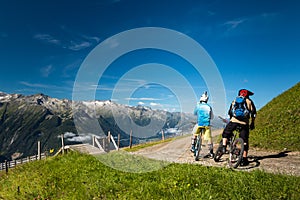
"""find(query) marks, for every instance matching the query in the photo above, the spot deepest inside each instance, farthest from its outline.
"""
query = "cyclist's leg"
(244, 134)
(227, 133)
(208, 138)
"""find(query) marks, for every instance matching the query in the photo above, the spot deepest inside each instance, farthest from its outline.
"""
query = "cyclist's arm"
(253, 110)
(212, 114)
(230, 111)
(196, 109)
(252, 114)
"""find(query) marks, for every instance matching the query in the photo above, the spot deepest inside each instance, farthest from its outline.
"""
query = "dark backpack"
(239, 108)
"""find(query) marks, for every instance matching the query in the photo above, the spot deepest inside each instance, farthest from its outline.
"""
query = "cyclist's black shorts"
(244, 132)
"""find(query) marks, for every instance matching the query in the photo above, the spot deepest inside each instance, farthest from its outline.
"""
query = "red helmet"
(245, 93)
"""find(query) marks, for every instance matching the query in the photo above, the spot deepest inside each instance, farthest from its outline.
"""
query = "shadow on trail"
(255, 159)
(278, 155)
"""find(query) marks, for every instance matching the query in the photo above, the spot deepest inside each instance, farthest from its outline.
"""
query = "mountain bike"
(236, 149)
(198, 143)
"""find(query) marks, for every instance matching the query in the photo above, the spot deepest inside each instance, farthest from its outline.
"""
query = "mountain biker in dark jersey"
(245, 124)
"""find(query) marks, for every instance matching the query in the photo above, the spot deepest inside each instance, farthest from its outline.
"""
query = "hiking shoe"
(206, 156)
(192, 149)
(209, 155)
(244, 162)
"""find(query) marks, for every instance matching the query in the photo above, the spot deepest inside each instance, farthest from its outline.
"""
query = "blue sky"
(254, 44)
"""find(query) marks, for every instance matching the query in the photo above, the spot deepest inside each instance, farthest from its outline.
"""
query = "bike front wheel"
(198, 148)
(219, 152)
(236, 153)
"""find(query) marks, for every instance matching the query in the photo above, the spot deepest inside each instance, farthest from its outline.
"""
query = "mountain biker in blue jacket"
(245, 124)
(204, 115)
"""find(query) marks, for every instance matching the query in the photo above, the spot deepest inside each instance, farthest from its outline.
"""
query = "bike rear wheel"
(219, 152)
(236, 153)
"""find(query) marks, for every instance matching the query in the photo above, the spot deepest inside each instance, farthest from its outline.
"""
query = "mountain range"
(25, 120)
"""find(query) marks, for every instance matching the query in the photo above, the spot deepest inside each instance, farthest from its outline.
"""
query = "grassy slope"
(77, 176)
(278, 123)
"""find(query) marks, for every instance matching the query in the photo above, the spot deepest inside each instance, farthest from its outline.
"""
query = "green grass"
(278, 123)
(78, 176)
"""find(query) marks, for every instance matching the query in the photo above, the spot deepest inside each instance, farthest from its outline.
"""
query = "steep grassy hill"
(278, 122)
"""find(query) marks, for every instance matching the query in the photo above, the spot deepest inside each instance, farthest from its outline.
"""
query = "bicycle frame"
(236, 149)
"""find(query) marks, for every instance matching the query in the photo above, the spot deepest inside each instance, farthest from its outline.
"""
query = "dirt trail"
(285, 162)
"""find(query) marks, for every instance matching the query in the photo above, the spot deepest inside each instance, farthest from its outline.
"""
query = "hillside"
(24, 121)
(278, 123)
(79, 176)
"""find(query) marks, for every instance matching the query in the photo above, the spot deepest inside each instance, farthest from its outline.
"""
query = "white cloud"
(72, 137)
(35, 85)
(69, 134)
(85, 86)
(91, 38)
(234, 23)
(254, 24)
(141, 99)
(127, 84)
(80, 138)
(141, 103)
(80, 42)
(47, 38)
(269, 15)
(103, 88)
(46, 70)
(155, 104)
(173, 110)
(38, 86)
(76, 46)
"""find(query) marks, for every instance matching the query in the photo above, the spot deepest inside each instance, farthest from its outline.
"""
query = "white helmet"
(204, 97)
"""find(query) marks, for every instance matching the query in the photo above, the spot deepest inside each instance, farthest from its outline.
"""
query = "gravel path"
(284, 162)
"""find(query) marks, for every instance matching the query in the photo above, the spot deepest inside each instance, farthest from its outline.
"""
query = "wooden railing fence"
(102, 143)
(13, 163)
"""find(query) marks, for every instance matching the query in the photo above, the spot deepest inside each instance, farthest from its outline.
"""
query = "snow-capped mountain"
(24, 120)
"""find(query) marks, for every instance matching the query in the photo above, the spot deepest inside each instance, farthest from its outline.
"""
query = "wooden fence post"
(119, 137)
(130, 139)
(104, 144)
(94, 138)
(162, 135)
(6, 166)
(62, 144)
(39, 150)
(108, 141)
(108, 137)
